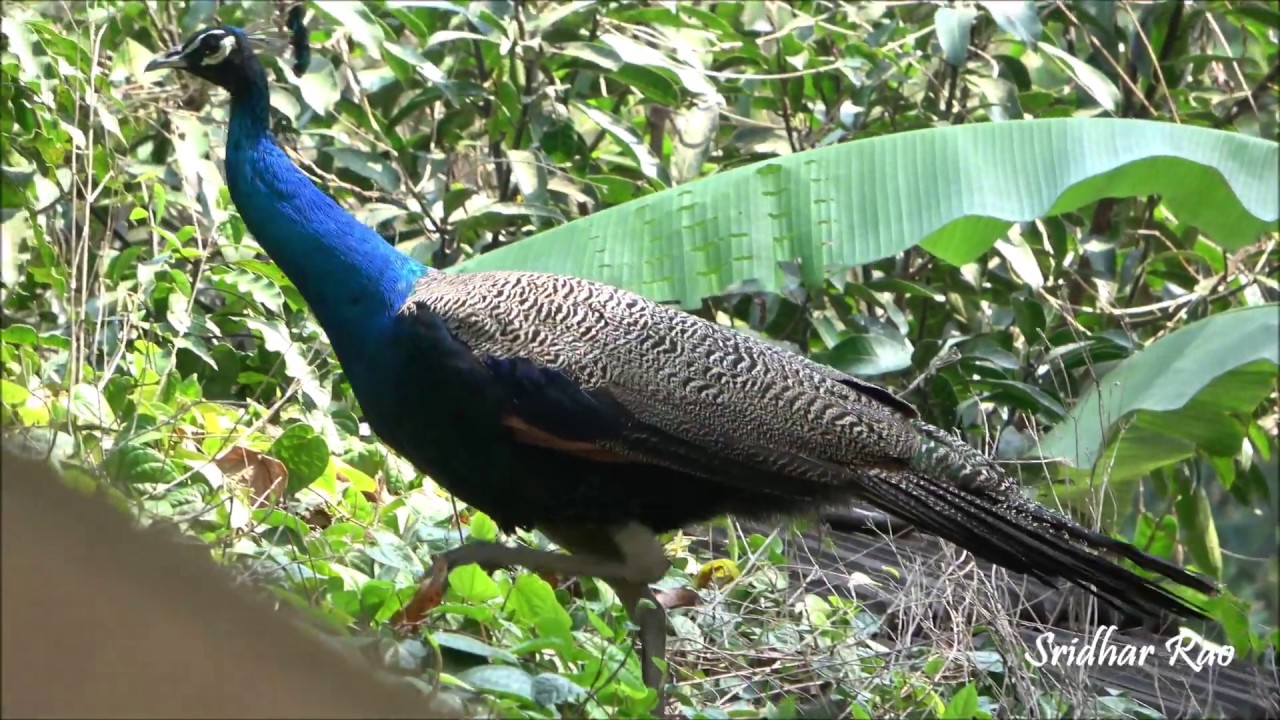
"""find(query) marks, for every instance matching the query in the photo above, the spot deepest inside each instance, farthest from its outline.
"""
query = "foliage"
(154, 352)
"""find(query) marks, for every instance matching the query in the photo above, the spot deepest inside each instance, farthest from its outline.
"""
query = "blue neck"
(353, 280)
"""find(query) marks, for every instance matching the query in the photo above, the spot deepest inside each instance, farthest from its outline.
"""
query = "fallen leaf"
(428, 596)
(677, 598)
(264, 475)
(318, 518)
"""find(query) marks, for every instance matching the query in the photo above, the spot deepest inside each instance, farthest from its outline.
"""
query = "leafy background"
(153, 352)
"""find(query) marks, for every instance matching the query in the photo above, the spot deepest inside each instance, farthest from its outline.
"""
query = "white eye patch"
(194, 41)
(225, 47)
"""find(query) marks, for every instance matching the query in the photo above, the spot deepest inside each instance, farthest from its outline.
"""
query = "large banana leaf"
(954, 190)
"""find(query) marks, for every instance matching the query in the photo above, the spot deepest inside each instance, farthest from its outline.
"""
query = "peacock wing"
(600, 372)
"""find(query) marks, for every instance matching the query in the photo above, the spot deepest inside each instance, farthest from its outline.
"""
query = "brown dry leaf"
(318, 518)
(677, 598)
(427, 597)
(264, 475)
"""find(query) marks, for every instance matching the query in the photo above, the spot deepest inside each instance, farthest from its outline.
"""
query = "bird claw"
(428, 596)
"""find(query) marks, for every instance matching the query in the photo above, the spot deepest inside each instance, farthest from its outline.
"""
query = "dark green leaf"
(1016, 17)
(866, 354)
(1156, 537)
(140, 464)
(472, 646)
(304, 454)
(1199, 532)
(367, 165)
(963, 705)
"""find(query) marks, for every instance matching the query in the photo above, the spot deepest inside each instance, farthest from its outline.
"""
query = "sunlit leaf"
(534, 602)
(704, 237)
(952, 27)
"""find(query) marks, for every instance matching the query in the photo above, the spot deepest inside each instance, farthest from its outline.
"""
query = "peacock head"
(222, 55)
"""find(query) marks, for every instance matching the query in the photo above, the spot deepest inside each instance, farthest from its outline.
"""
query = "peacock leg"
(628, 558)
(651, 618)
(635, 546)
(612, 561)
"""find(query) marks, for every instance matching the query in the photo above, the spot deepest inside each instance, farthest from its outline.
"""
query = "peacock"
(602, 418)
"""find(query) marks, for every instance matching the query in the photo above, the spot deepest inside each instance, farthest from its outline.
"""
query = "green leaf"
(1199, 532)
(966, 185)
(374, 595)
(19, 334)
(251, 281)
(1156, 538)
(1237, 346)
(473, 584)
(11, 393)
(356, 19)
(88, 406)
(1023, 395)
(1233, 614)
(533, 602)
(496, 213)
(596, 53)
(479, 613)
(627, 138)
(443, 36)
(140, 464)
(1089, 77)
(388, 549)
(696, 126)
(319, 86)
(1022, 260)
(368, 165)
(358, 479)
(1016, 17)
(952, 27)
(867, 354)
(550, 689)
(472, 646)
(304, 454)
(529, 171)
(963, 705)
(631, 51)
(198, 347)
(613, 190)
(500, 679)
(482, 527)
(653, 85)
(1001, 97)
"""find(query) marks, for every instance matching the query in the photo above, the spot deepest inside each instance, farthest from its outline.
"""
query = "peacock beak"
(170, 60)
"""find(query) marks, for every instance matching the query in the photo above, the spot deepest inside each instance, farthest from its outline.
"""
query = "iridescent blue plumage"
(353, 279)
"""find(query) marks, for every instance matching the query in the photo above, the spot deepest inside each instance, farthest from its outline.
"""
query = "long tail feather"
(956, 493)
